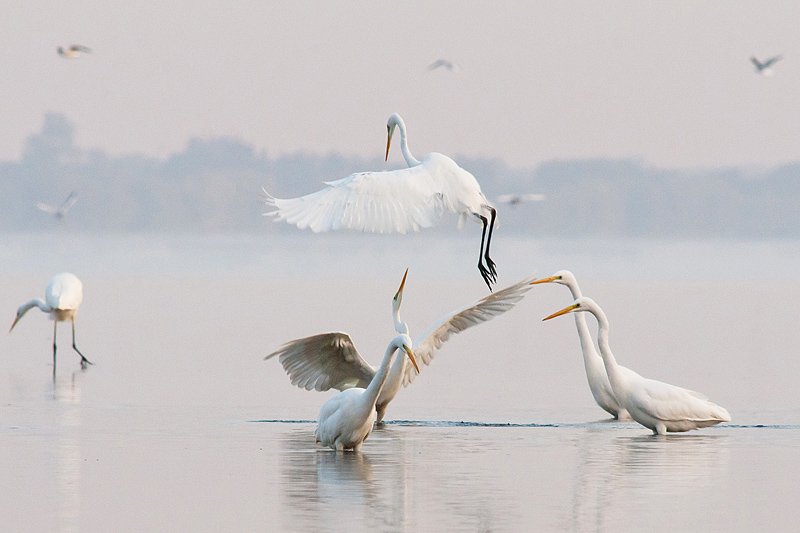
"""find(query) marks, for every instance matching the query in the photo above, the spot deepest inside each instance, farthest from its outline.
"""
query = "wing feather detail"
(323, 362)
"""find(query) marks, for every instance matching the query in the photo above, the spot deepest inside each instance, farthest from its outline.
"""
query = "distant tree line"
(214, 186)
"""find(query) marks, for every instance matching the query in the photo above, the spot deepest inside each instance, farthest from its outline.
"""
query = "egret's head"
(398, 296)
(393, 121)
(564, 277)
(581, 304)
(403, 342)
(19, 315)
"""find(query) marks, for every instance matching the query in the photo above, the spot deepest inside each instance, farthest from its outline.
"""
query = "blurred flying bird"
(331, 361)
(658, 406)
(515, 199)
(396, 201)
(63, 296)
(60, 211)
(73, 52)
(445, 64)
(346, 420)
(764, 68)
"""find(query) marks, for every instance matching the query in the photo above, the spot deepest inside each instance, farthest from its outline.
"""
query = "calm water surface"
(181, 426)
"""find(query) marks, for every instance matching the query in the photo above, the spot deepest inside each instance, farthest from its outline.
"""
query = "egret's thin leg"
(55, 328)
(489, 263)
(84, 361)
(487, 277)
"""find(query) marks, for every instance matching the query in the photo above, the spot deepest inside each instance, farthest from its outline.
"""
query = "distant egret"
(592, 362)
(445, 64)
(74, 51)
(63, 296)
(764, 68)
(515, 199)
(396, 201)
(658, 406)
(331, 361)
(346, 419)
(61, 211)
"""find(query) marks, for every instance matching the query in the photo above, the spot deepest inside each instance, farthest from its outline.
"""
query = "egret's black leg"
(55, 328)
(489, 263)
(84, 361)
(485, 273)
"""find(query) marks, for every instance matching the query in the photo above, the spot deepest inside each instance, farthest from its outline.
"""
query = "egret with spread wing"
(396, 201)
(346, 420)
(592, 362)
(61, 211)
(658, 406)
(63, 296)
(764, 68)
(331, 361)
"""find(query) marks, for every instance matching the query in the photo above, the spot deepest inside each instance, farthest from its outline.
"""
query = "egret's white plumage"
(658, 406)
(402, 200)
(63, 296)
(592, 362)
(60, 211)
(764, 68)
(73, 52)
(346, 419)
(331, 361)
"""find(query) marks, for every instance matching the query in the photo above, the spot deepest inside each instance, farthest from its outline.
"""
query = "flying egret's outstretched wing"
(769, 62)
(46, 208)
(69, 202)
(485, 309)
(80, 48)
(323, 362)
(397, 200)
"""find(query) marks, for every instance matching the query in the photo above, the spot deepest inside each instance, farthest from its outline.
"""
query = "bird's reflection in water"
(617, 475)
(324, 487)
(67, 395)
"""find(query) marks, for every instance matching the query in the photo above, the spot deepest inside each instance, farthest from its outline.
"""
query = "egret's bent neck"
(587, 346)
(399, 325)
(602, 340)
(24, 308)
(374, 389)
(410, 159)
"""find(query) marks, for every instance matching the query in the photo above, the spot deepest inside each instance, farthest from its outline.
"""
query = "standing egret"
(346, 420)
(396, 201)
(764, 68)
(73, 52)
(592, 362)
(63, 296)
(658, 406)
(61, 211)
(331, 361)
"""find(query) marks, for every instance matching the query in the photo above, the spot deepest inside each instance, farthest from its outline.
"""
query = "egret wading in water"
(346, 420)
(397, 200)
(331, 361)
(658, 406)
(592, 362)
(63, 296)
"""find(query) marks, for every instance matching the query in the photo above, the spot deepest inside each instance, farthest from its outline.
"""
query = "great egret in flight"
(63, 296)
(445, 64)
(658, 406)
(346, 420)
(73, 52)
(61, 211)
(331, 361)
(592, 362)
(396, 201)
(764, 68)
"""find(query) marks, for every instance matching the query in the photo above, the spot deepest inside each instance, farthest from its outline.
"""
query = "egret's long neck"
(585, 336)
(399, 325)
(375, 386)
(24, 308)
(602, 341)
(410, 159)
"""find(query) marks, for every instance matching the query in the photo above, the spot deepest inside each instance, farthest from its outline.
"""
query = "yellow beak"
(388, 142)
(14, 324)
(411, 356)
(563, 311)
(545, 280)
(402, 284)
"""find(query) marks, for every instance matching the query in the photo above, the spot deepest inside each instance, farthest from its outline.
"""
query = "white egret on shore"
(658, 406)
(73, 52)
(331, 361)
(592, 362)
(346, 419)
(63, 296)
(396, 201)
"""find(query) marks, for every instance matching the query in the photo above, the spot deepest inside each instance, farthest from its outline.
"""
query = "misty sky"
(669, 83)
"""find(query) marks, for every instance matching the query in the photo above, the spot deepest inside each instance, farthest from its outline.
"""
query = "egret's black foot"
(487, 276)
(491, 266)
(85, 362)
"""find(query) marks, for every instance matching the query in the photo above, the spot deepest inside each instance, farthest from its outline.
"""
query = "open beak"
(563, 311)
(545, 280)
(402, 284)
(388, 142)
(14, 324)
(411, 356)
